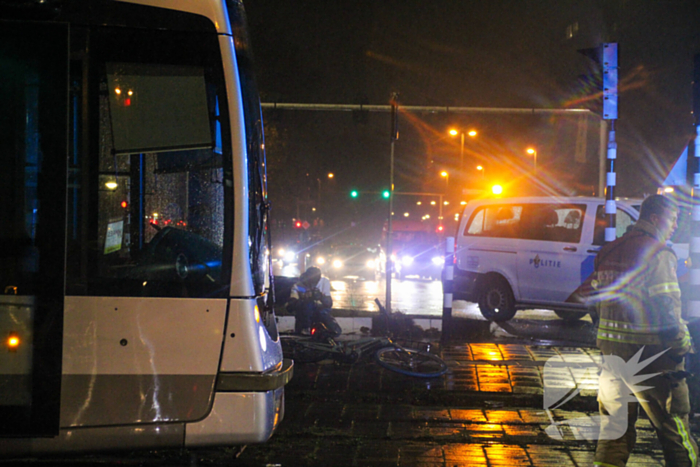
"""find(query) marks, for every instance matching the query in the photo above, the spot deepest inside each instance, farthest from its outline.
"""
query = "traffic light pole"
(389, 268)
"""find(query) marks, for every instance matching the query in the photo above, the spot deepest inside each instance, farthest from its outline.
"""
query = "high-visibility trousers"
(665, 401)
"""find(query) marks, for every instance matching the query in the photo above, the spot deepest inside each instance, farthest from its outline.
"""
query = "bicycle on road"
(323, 344)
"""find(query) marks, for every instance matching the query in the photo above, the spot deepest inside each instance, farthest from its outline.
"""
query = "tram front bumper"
(247, 408)
(267, 381)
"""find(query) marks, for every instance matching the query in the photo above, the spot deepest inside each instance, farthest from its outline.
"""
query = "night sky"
(495, 53)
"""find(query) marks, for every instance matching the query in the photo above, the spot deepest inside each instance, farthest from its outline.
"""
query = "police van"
(531, 252)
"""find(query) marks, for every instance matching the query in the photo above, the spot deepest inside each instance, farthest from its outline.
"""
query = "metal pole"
(447, 287)
(461, 158)
(602, 156)
(610, 205)
(693, 314)
(389, 268)
(691, 294)
(535, 157)
(610, 96)
(418, 108)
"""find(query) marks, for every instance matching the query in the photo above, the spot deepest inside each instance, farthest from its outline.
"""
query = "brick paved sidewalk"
(473, 368)
(332, 433)
(486, 411)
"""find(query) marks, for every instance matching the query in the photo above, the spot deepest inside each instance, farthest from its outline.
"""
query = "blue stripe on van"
(587, 267)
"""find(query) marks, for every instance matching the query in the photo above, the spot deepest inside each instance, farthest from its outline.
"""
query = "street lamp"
(455, 132)
(446, 177)
(533, 152)
(481, 169)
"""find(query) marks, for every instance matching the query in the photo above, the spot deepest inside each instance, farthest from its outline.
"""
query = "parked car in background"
(286, 254)
(420, 260)
(416, 249)
(351, 261)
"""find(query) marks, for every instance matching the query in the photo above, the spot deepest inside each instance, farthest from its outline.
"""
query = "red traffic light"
(124, 204)
(440, 228)
(297, 225)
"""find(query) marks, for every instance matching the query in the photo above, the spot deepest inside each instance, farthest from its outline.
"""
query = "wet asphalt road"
(414, 296)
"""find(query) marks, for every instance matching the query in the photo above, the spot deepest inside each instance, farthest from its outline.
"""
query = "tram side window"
(157, 227)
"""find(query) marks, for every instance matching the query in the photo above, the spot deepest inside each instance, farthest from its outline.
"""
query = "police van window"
(496, 221)
(623, 222)
(553, 223)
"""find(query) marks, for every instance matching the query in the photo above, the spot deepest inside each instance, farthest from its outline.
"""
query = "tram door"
(33, 151)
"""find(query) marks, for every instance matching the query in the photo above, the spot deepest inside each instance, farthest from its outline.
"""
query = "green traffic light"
(354, 194)
(386, 194)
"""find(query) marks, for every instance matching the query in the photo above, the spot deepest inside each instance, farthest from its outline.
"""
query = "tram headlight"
(281, 252)
(337, 263)
(289, 256)
(438, 260)
(263, 340)
(320, 260)
(371, 264)
(407, 260)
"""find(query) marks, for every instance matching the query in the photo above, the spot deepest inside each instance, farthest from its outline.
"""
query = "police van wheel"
(570, 315)
(496, 302)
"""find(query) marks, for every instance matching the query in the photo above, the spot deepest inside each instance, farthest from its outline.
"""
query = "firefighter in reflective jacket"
(638, 301)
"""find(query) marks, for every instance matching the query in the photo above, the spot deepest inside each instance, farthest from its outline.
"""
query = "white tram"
(134, 266)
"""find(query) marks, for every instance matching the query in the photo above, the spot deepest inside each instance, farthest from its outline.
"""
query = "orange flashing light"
(13, 342)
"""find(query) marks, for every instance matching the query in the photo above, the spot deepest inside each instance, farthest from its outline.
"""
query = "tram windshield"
(148, 217)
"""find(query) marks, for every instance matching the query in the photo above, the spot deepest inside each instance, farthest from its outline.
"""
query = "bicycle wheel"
(301, 353)
(411, 362)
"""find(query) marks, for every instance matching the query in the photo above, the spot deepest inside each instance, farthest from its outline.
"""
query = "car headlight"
(438, 260)
(337, 264)
(406, 260)
(393, 257)
(370, 264)
(290, 256)
(320, 260)
(281, 252)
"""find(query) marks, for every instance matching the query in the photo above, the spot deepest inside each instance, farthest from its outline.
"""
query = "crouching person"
(312, 294)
